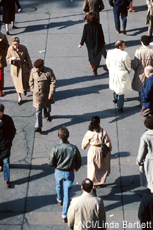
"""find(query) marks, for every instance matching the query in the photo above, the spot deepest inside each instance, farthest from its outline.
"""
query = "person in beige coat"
(149, 18)
(93, 6)
(98, 168)
(145, 155)
(86, 211)
(3, 52)
(19, 59)
(143, 57)
(42, 84)
(119, 65)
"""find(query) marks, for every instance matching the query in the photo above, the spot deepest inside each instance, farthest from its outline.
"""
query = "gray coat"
(145, 158)
(143, 57)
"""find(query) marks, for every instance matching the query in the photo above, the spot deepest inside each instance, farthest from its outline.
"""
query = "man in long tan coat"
(143, 57)
(42, 84)
(19, 59)
(149, 18)
(86, 211)
(94, 6)
(3, 52)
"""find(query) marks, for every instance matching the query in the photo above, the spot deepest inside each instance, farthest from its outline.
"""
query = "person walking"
(19, 59)
(42, 84)
(7, 133)
(119, 65)
(94, 38)
(66, 159)
(3, 52)
(9, 13)
(143, 57)
(120, 9)
(149, 18)
(147, 94)
(93, 6)
(98, 168)
(86, 210)
(145, 155)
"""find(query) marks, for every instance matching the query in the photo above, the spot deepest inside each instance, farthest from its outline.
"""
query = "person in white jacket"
(119, 65)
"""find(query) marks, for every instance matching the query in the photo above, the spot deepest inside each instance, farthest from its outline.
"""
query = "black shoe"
(115, 101)
(7, 33)
(95, 72)
(124, 31)
(49, 119)
(19, 102)
(25, 93)
(37, 130)
(120, 110)
(14, 27)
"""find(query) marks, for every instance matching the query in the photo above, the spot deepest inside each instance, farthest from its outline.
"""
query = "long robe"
(98, 168)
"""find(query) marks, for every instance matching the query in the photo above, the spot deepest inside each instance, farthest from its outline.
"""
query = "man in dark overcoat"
(7, 133)
(42, 84)
(9, 12)
(120, 8)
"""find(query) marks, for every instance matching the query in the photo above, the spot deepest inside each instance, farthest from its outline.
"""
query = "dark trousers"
(117, 14)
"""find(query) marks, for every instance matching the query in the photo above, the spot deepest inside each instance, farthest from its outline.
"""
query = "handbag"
(104, 149)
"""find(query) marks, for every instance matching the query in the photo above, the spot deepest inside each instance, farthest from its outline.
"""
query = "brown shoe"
(64, 220)
(132, 10)
(59, 202)
(117, 31)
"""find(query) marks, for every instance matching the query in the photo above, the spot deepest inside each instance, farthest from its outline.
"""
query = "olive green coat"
(42, 86)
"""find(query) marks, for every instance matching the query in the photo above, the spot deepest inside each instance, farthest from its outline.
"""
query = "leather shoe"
(14, 27)
(37, 130)
(49, 119)
(64, 220)
(115, 101)
(118, 32)
(95, 72)
(120, 110)
(59, 202)
(7, 184)
(7, 33)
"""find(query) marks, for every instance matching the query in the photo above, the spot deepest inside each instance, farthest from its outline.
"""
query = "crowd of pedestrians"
(65, 157)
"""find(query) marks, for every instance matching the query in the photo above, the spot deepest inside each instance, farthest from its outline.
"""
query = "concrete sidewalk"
(56, 27)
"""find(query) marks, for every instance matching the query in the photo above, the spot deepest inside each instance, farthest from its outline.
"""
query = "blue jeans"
(120, 100)
(6, 169)
(64, 181)
(117, 14)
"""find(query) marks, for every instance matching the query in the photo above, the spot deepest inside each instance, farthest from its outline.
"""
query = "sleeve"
(84, 35)
(101, 6)
(102, 215)
(107, 140)
(52, 159)
(77, 159)
(12, 130)
(128, 63)
(135, 61)
(111, 3)
(52, 83)
(142, 152)
(31, 81)
(28, 59)
(18, 4)
(85, 6)
(71, 214)
(85, 141)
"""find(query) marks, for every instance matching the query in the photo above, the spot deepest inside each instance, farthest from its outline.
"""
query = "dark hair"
(148, 122)
(119, 43)
(38, 63)
(94, 124)
(145, 39)
(2, 108)
(63, 133)
(87, 185)
(91, 18)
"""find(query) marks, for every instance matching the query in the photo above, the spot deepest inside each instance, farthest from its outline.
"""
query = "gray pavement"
(56, 27)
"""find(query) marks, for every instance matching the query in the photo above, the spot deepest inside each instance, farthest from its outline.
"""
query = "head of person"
(148, 122)
(87, 185)
(39, 64)
(94, 124)
(91, 17)
(120, 44)
(15, 42)
(63, 133)
(1, 110)
(145, 40)
(148, 71)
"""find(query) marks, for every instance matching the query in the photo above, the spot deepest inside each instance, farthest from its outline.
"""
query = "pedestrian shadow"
(141, 8)
(136, 31)
(120, 155)
(44, 168)
(84, 161)
(124, 191)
